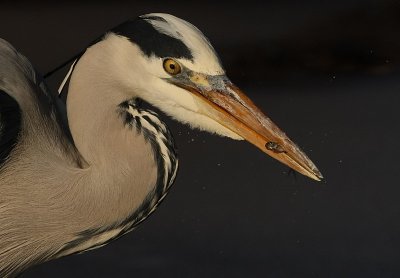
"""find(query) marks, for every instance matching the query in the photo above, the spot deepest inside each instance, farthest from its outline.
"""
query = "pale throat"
(117, 155)
(95, 93)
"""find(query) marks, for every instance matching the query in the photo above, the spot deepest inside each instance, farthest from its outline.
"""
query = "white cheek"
(182, 106)
(165, 95)
(172, 100)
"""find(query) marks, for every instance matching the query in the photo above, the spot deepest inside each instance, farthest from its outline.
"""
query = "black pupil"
(172, 66)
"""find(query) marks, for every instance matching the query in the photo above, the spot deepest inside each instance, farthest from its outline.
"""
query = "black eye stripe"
(151, 41)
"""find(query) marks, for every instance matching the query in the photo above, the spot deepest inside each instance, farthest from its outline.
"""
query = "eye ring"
(171, 66)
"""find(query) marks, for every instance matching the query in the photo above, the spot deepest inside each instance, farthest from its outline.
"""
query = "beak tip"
(317, 175)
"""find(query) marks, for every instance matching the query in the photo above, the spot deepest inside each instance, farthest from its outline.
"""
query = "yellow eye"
(171, 66)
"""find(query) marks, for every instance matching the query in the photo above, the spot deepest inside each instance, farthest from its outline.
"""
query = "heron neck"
(94, 95)
(118, 156)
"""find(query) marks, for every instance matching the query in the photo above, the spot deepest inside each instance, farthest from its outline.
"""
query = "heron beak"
(230, 107)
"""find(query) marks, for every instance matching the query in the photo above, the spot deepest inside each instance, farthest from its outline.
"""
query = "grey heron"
(75, 175)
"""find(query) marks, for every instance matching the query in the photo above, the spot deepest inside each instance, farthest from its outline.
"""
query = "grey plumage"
(39, 133)
(44, 211)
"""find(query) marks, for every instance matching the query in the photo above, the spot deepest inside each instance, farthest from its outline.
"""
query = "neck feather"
(130, 151)
(118, 156)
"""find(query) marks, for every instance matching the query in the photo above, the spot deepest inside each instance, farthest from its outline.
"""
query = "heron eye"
(172, 67)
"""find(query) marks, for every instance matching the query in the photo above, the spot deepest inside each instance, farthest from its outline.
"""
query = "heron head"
(175, 68)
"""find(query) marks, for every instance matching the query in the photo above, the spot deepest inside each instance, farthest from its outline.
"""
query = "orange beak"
(230, 107)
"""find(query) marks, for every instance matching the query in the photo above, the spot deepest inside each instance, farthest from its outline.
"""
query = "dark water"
(233, 211)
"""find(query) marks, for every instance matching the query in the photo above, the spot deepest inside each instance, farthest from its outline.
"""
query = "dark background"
(327, 72)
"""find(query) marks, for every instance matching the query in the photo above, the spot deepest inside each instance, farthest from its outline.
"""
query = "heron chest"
(147, 124)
